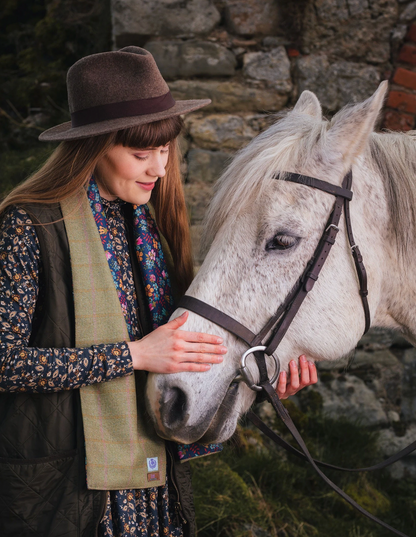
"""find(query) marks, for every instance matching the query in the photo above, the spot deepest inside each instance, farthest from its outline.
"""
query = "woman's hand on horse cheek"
(307, 377)
(170, 350)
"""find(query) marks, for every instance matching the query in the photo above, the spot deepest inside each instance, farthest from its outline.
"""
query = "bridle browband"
(279, 323)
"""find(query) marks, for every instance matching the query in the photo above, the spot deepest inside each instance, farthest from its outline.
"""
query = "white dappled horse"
(263, 231)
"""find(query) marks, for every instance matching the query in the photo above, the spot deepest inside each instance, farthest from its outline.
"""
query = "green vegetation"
(255, 489)
(39, 41)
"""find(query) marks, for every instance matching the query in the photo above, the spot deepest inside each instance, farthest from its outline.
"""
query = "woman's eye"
(145, 157)
(281, 242)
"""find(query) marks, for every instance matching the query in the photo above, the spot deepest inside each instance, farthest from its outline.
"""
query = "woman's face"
(131, 174)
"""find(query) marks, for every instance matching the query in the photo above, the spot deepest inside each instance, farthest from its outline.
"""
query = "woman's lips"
(146, 186)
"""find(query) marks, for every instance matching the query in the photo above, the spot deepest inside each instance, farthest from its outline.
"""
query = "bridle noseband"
(279, 323)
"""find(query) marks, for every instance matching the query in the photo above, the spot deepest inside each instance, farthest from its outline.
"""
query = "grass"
(255, 489)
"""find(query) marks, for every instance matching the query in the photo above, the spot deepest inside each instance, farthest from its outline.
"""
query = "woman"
(88, 278)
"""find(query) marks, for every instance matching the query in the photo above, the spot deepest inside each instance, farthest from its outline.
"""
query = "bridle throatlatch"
(279, 323)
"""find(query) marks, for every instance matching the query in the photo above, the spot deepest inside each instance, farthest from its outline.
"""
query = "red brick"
(404, 102)
(292, 52)
(408, 54)
(398, 121)
(411, 34)
(405, 78)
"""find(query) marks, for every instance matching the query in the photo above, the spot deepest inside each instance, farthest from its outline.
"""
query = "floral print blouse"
(130, 513)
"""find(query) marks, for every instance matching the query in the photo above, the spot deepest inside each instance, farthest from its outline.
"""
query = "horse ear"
(308, 104)
(351, 127)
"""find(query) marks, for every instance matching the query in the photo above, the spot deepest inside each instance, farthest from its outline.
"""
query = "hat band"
(138, 107)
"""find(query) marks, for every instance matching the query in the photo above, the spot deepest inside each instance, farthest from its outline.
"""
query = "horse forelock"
(286, 145)
(289, 145)
(393, 156)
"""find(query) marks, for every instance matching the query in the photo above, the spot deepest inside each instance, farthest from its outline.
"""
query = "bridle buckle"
(332, 226)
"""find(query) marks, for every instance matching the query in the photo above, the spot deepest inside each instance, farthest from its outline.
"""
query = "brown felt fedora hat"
(115, 90)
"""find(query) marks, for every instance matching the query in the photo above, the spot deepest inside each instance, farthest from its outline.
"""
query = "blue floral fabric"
(150, 256)
(144, 513)
(129, 513)
(190, 451)
(31, 369)
(156, 279)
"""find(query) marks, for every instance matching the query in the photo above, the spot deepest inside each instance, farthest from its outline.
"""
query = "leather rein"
(279, 323)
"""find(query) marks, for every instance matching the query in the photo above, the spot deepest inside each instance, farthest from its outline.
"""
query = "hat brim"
(65, 131)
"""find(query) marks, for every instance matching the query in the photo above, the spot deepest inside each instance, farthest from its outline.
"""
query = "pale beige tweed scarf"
(123, 450)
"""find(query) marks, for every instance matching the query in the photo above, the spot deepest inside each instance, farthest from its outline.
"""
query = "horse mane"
(292, 140)
(393, 157)
(289, 140)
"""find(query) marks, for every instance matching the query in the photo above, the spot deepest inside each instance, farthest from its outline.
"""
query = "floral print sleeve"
(24, 368)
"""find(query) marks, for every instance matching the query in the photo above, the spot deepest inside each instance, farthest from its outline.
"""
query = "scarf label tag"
(152, 464)
(153, 476)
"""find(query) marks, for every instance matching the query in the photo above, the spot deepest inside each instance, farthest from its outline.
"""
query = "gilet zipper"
(179, 516)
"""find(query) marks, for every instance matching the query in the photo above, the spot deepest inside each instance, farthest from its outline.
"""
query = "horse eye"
(281, 242)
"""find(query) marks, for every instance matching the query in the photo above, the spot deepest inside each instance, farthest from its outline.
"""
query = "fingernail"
(220, 359)
(219, 340)
(207, 367)
(303, 358)
(223, 350)
(292, 363)
(283, 375)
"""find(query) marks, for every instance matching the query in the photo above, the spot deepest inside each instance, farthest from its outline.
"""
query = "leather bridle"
(279, 323)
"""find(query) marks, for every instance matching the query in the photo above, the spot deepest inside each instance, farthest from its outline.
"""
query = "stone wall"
(253, 58)
(376, 388)
(401, 103)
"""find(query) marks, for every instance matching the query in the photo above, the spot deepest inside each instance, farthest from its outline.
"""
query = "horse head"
(261, 234)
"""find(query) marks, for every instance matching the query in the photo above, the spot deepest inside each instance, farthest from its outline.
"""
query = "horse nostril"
(174, 407)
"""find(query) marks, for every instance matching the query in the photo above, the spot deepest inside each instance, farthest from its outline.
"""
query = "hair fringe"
(71, 165)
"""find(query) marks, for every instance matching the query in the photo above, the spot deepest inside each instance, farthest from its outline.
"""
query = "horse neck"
(397, 308)
(392, 285)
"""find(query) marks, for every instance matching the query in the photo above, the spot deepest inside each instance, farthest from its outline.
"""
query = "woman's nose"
(157, 165)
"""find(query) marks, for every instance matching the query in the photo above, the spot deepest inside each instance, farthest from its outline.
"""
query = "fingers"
(294, 376)
(204, 348)
(199, 337)
(192, 337)
(178, 322)
(304, 371)
(199, 357)
(313, 375)
(308, 376)
(170, 350)
(192, 366)
(281, 385)
(197, 347)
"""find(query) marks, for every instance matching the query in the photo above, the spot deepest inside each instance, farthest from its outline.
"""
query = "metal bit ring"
(245, 376)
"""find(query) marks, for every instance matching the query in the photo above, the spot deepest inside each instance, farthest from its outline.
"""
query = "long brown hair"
(73, 162)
